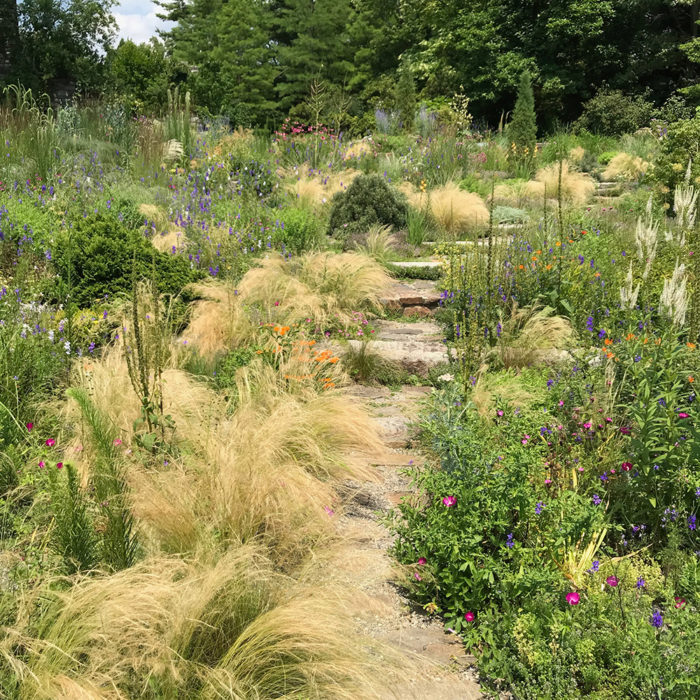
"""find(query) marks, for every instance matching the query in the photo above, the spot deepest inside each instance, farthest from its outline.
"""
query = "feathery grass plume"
(628, 292)
(454, 210)
(168, 241)
(169, 625)
(172, 151)
(646, 239)
(154, 214)
(674, 301)
(313, 188)
(365, 365)
(218, 321)
(576, 154)
(357, 149)
(319, 286)
(379, 244)
(625, 167)
(685, 201)
(576, 188)
(505, 387)
(531, 330)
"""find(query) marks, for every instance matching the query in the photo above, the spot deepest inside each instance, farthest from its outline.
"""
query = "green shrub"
(99, 253)
(680, 145)
(368, 201)
(299, 230)
(612, 112)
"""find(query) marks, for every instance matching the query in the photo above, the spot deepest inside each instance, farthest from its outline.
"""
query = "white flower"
(446, 377)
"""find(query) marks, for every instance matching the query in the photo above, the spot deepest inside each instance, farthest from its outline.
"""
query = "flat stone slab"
(416, 293)
(415, 346)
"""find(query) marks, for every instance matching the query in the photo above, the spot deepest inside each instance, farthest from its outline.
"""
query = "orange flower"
(630, 336)
(333, 360)
(597, 274)
(539, 252)
(583, 233)
(609, 355)
(608, 341)
(558, 243)
(534, 257)
(520, 267)
(549, 267)
(691, 345)
(691, 379)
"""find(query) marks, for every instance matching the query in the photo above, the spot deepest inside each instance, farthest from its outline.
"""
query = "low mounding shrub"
(368, 201)
(299, 230)
(611, 112)
(99, 253)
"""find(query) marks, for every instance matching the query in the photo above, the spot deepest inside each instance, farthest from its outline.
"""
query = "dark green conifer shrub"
(98, 255)
(368, 201)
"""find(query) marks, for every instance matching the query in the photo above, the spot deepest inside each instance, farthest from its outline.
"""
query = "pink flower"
(573, 598)
(626, 466)
(417, 576)
(469, 616)
(30, 426)
(78, 448)
(422, 561)
(587, 426)
(612, 581)
(683, 415)
(329, 511)
(59, 465)
(561, 403)
(50, 442)
(547, 482)
(41, 464)
(117, 441)
(499, 413)
(680, 602)
(449, 501)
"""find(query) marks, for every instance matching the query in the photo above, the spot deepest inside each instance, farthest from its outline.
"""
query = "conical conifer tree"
(522, 130)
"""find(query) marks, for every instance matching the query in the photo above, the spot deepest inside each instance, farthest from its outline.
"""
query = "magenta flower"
(417, 576)
(626, 466)
(449, 501)
(50, 442)
(329, 511)
(29, 427)
(683, 415)
(41, 464)
(573, 598)
(422, 561)
(499, 413)
(547, 482)
(469, 616)
(680, 602)
(612, 581)
(59, 465)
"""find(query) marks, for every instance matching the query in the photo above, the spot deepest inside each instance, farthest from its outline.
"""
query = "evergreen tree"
(405, 98)
(522, 130)
(314, 44)
(246, 61)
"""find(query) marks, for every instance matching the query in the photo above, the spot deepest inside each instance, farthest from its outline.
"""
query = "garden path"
(432, 664)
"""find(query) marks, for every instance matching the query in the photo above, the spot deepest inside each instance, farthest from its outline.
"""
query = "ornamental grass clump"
(576, 187)
(319, 286)
(453, 209)
(174, 627)
(625, 167)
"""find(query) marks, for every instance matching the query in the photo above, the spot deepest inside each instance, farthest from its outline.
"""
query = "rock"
(417, 312)
(418, 293)
(417, 264)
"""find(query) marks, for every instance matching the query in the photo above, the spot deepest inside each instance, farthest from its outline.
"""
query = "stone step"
(417, 347)
(415, 293)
